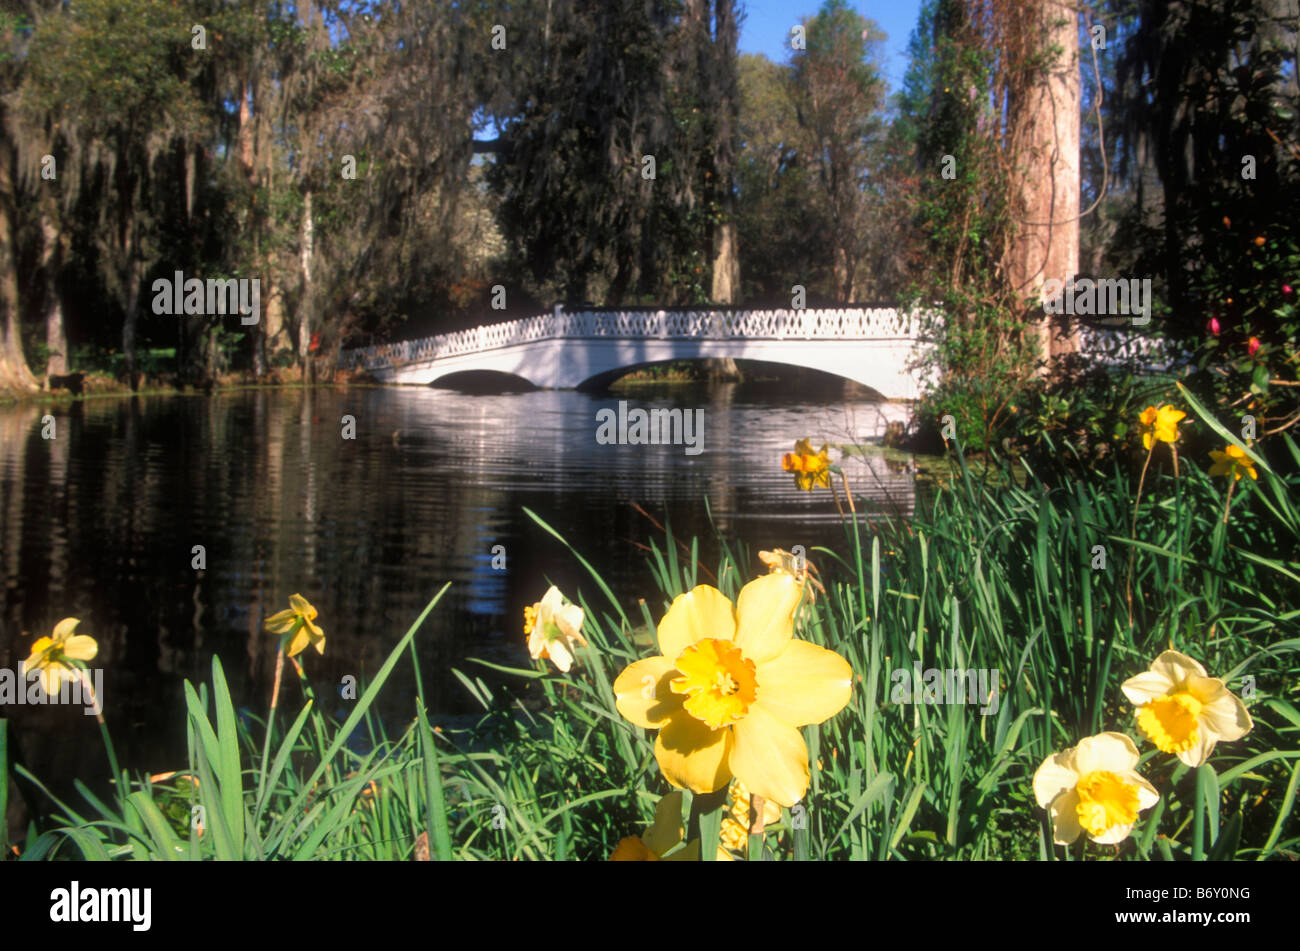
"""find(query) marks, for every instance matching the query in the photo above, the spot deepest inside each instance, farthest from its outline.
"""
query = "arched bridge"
(874, 346)
(571, 349)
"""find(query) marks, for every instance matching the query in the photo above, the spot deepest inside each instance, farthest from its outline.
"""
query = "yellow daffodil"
(553, 628)
(1094, 788)
(1232, 461)
(1161, 424)
(780, 561)
(50, 655)
(809, 468)
(731, 689)
(297, 620)
(661, 838)
(1183, 711)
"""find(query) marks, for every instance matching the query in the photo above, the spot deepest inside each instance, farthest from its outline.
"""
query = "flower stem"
(1228, 501)
(757, 827)
(1132, 551)
(1198, 817)
(847, 494)
(89, 691)
(270, 723)
(279, 672)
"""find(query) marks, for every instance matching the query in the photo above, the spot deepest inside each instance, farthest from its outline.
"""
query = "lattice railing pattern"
(1130, 347)
(852, 323)
(856, 323)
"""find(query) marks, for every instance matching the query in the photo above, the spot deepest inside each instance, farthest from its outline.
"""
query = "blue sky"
(767, 26)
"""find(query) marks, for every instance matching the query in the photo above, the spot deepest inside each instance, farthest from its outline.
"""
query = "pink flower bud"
(1286, 288)
(1213, 326)
(1253, 347)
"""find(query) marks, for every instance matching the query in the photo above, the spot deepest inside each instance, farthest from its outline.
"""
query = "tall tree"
(15, 26)
(1037, 78)
(839, 93)
(119, 77)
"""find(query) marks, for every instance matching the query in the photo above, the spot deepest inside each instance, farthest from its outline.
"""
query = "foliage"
(1208, 96)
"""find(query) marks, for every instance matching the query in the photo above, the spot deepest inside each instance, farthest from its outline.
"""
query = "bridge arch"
(602, 380)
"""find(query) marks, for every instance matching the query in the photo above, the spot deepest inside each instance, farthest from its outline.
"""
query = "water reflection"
(102, 523)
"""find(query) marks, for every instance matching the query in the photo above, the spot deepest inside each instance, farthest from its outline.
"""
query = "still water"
(102, 521)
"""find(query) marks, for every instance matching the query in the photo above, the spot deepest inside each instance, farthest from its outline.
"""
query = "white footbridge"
(874, 346)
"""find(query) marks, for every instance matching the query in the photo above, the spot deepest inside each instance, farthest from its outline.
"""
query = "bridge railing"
(1115, 346)
(851, 323)
(848, 323)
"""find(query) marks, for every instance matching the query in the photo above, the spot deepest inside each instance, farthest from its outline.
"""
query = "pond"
(103, 521)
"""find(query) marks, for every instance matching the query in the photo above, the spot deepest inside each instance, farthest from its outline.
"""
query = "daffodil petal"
(300, 641)
(1148, 795)
(1200, 751)
(80, 647)
(688, 853)
(1177, 667)
(1112, 752)
(765, 616)
(1146, 686)
(301, 605)
(1054, 777)
(52, 676)
(280, 622)
(552, 600)
(804, 684)
(569, 620)
(770, 756)
(631, 849)
(642, 694)
(560, 654)
(1065, 817)
(1227, 716)
(667, 830)
(692, 756)
(64, 628)
(704, 611)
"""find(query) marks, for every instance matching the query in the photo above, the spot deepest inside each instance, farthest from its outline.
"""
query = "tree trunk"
(721, 68)
(56, 338)
(845, 268)
(1045, 143)
(15, 375)
(129, 324)
(305, 303)
(726, 264)
(246, 151)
